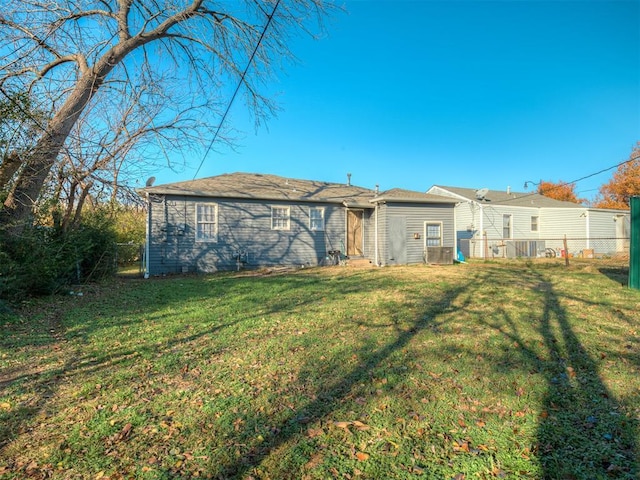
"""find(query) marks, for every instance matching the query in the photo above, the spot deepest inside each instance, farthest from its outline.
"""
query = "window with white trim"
(506, 226)
(206, 222)
(534, 223)
(280, 218)
(433, 234)
(316, 218)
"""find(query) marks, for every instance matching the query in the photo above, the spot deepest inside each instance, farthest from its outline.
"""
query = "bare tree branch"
(74, 54)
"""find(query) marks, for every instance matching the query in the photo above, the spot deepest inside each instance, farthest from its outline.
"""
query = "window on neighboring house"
(506, 226)
(280, 218)
(534, 223)
(316, 218)
(433, 234)
(206, 222)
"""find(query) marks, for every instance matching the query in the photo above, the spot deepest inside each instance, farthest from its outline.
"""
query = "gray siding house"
(513, 224)
(254, 220)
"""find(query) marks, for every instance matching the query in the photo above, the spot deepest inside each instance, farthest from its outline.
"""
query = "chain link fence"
(613, 250)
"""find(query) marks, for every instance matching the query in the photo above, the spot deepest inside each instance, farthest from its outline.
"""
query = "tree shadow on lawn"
(331, 395)
(47, 336)
(619, 274)
(583, 431)
(59, 332)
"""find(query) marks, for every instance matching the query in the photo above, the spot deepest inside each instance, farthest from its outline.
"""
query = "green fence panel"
(634, 257)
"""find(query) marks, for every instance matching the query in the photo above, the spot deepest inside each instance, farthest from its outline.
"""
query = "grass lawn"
(475, 371)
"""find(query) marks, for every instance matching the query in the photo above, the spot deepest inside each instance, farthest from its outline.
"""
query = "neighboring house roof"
(519, 199)
(266, 187)
(401, 195)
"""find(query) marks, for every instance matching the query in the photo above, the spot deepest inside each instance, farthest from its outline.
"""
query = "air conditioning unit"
(439, 255)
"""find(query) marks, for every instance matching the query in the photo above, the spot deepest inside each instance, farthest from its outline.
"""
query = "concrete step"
(359, 262)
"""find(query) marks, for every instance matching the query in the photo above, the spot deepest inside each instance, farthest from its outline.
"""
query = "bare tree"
(111, 145)
(20, 125)
(67, 51)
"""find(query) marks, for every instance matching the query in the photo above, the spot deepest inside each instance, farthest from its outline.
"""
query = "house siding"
(415, 215)
(468, 224)
(601, 225)
(602, 230)
(383, 233)
(609, 231)
(369, 234)
(244, 228)
(467, 220)
(556, 223)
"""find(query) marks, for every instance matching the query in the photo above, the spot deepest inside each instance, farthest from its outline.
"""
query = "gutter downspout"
(376, 236)
(455, 233)
(147, 238)
(586, 215)
(482, 235)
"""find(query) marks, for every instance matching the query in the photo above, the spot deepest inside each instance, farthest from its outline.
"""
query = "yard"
(474, 371)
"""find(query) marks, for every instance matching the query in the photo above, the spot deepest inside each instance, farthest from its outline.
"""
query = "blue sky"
(464, 93)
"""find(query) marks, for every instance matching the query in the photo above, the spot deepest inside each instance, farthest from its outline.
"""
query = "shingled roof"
(520, 199)
(402, 195)
(266, 187)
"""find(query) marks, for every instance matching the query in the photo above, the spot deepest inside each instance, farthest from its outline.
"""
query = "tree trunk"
(83, 197)
(19, 204)
(8, 169)
(18, 207)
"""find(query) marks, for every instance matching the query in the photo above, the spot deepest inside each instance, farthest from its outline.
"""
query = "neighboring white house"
(514, 224)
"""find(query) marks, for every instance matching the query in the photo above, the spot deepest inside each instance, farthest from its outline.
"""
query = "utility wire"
(244, 73)
(563, 184)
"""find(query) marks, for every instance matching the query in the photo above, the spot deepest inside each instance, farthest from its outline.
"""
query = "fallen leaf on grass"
(123, 434)
(314, 432)
(461, 447)
(361, 456)
(343, 425)
(5, 406)
(360, 426)
(496, 472)
(315, 460)
(237, 424)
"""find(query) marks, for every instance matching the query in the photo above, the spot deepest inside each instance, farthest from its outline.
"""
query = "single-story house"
(493, 223)
(255, 220)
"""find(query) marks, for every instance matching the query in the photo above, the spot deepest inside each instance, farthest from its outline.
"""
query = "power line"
(564, 184)
(240, 82)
